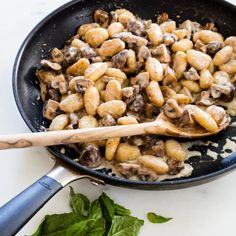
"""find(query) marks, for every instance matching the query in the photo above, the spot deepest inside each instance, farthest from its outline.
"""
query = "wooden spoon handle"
(72, 136)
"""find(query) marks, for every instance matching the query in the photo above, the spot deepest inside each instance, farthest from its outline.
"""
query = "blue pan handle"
(18, 211)
(15, 213)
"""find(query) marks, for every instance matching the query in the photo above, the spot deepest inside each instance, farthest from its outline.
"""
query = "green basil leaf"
(39, 230)
(92, 227)
(96, 211)
(79, 203)
(120, 210)
(107, 206)
(125, 226)
(57, 224)
(154, 218)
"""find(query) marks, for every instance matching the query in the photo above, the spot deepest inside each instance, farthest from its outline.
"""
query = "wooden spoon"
(161, 126)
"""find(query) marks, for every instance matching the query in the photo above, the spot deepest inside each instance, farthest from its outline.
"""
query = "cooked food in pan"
(121, 70)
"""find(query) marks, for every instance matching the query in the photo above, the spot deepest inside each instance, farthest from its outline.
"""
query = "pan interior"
(55, 29)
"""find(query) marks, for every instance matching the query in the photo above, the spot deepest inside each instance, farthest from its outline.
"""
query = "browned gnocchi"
(122, 70)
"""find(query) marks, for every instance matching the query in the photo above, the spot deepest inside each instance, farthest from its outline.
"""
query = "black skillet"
(53, 31)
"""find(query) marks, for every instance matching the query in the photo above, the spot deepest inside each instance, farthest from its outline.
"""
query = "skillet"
(53, 31)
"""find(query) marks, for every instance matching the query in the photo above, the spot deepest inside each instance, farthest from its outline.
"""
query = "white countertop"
(204, 210)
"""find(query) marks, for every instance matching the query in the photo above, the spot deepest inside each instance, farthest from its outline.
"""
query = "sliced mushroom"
(174, 166)
(191, 27)
(172, 109)
(132, 40)
(146, 174)
(169, 39)
(137, 140)
(191, 74)
(142, 80)
(224, 91)
(138, 104)
(57, 56)
(80, 84)
(50, 109)
(120, 59)
(216, 90)
(90, 155)
(186, 119)
(88, 52)
(158, 149)
(162, 53)
(204, 99)
(46, 76)
(51, 65)
(213, 47)
(170, 79)
(129, 170)
(70, 54)
(107, 120)
(143, 54)
(102, 18)
(53, 94)
(136, 27)
(136, 91)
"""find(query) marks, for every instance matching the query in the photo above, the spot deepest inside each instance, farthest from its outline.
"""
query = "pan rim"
(171, 184)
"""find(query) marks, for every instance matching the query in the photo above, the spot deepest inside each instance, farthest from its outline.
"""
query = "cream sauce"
(231, 145)
(185, 172)
(212, 154)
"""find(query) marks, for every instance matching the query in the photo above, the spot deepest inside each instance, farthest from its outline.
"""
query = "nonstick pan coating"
(60, 25)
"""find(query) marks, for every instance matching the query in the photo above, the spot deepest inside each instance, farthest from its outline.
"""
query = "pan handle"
(18, 211)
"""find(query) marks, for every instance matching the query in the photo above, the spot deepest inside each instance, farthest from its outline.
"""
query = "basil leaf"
(125, 226)
(39, 230)
(107, 206)
(92, 227)
(154, 218)
(110, 209)
(103, 217)
(120, 210)
(79, 203)
(57, 224)
(96, 211)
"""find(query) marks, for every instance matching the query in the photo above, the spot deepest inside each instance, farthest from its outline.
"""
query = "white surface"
(204, 210)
